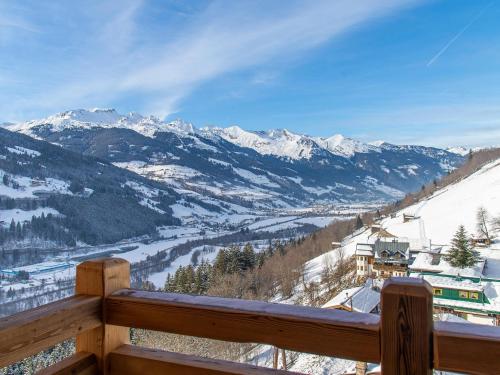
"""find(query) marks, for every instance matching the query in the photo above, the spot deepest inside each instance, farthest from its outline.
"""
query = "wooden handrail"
(404, 338)
(136, 360)
(298, 328)
(32, 331)
(466, 347)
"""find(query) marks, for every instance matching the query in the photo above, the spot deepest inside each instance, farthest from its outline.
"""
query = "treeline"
(164, 258)
(46, 228)
(27, 204)
(199, 279)
(244, 273)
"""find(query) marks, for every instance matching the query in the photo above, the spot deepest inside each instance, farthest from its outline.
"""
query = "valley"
(50, 271)
(84, 184)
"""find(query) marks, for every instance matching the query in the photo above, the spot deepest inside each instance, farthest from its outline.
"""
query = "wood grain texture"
(101, 277)
(78, 364)
(131, 360)
(469, 348)
(32, 331)
(406, 327)
(305, 329)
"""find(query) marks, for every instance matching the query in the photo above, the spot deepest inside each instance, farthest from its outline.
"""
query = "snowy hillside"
(457, 204)
(437, 217)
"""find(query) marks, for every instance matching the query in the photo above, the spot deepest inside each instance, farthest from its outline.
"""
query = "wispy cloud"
(120, 55)
(458, 35)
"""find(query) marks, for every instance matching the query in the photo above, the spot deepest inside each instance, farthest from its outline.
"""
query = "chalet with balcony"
(382, 259)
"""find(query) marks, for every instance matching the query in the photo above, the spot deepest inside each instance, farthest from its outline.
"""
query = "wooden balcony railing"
(403, 339)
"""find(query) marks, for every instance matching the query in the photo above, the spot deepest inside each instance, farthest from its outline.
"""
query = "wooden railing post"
(101, 277)
(406, 327)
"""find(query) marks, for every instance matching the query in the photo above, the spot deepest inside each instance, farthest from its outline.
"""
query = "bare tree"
(483, 220)
(496, 223)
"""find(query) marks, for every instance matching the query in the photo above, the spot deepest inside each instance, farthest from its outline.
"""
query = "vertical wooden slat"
(406, 327)
(101, 277)
(283, 359)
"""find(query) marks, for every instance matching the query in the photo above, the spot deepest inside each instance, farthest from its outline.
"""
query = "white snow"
(361, 298)
(23, 151)
(373, 183)
(342, 146)
(457, 204)
(274, 142)
(28, 187)
(459, 150)
(257, 179)
(287, 144)
(105, 118)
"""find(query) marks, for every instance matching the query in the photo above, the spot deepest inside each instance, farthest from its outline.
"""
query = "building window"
(474, 295)
(463, 294)
(437, 291)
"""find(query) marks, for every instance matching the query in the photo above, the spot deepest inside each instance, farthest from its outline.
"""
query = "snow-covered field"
(27, 187)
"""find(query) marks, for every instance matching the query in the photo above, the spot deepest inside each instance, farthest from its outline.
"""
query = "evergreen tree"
(359, 222)
(461, 254)
(12, 227)
(248, 257)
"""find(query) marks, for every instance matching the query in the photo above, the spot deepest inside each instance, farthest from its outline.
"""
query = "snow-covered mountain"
(459, 150)
(275, 168)
(103, 118)
(279, 142)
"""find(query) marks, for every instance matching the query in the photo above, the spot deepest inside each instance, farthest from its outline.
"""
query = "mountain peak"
(104, 118)
(343, 146)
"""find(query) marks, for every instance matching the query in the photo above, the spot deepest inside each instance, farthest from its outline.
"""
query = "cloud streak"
(458, 35)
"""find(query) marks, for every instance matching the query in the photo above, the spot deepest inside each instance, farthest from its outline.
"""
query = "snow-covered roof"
(425, 261)
(364, 252)
(490, 288)
(452, 282)
(360, 299)
(364, 246)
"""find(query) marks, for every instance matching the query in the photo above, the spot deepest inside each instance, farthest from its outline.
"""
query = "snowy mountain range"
(275, 168)
(278, 142)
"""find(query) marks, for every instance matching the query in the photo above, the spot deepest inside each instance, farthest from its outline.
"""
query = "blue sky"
(405, 71)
